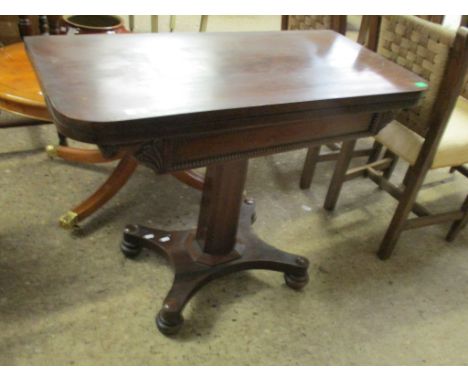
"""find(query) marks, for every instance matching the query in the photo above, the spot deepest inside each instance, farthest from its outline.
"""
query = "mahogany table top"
(111, 89)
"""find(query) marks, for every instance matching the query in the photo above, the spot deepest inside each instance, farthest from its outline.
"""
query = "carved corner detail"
(152, 154)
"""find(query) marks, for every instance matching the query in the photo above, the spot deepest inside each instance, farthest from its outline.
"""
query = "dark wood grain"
(148, 85)
(21, 94)
(182, 101)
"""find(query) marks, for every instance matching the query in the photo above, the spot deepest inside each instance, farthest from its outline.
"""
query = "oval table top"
(20, 92)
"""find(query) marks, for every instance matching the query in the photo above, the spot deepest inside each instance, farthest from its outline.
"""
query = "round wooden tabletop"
(20, 92)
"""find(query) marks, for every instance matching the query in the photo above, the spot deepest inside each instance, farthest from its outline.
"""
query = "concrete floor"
(72, 298)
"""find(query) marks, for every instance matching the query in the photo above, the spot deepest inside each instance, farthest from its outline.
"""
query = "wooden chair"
(314, 155)
(20, 94)
(364, 29)
(172, 23)
(432, 135)
(305, 22)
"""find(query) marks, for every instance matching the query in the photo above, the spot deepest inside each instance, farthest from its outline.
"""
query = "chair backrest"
(9, 32)
(303, 22)
(367, 19)
(438, 53)
(28, 25)
(14, 28)
(46, 24)
(422, 47)
(438, 19)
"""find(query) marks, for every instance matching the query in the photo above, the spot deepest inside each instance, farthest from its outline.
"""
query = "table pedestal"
(223, 243)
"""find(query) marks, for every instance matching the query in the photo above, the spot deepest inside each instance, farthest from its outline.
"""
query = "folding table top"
(108, 88)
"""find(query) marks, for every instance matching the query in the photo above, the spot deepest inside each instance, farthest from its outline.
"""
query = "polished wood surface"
(174, 82)
(191, 269)
(19, 89)
(181, 101)
(21, 94)
(79, 155)
(103, 194)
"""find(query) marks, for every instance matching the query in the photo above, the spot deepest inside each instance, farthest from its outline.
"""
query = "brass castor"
(69, 220)
(52, 151)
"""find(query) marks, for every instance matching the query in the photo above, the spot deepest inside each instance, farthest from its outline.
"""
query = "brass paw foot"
(52, 151)
(69, 220)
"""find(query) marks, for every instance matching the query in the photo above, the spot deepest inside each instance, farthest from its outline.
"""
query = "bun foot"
(129, 249)
(192, 271)
(131, 244)
(169, 325)
(296, 281)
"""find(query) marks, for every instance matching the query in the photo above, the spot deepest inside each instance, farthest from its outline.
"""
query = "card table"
(188, 100)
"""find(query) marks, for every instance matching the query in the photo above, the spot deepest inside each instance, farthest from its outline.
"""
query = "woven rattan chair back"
(422, 47)
(314, 22)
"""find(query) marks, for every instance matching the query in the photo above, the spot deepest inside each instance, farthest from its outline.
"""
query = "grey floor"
(72, 298)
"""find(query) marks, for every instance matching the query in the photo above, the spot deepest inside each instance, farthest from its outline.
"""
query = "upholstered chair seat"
(452, 150)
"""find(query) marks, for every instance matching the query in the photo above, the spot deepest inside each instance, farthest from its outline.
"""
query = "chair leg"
(74, 154)
(172, 23)
(333, 146)
(405, 205)
(203, 23)
(407, 177)
(389, 170)
(374, 155)
(309, 167)
(108, 189)
(376, 150)
(339, 174)
(458, 225)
